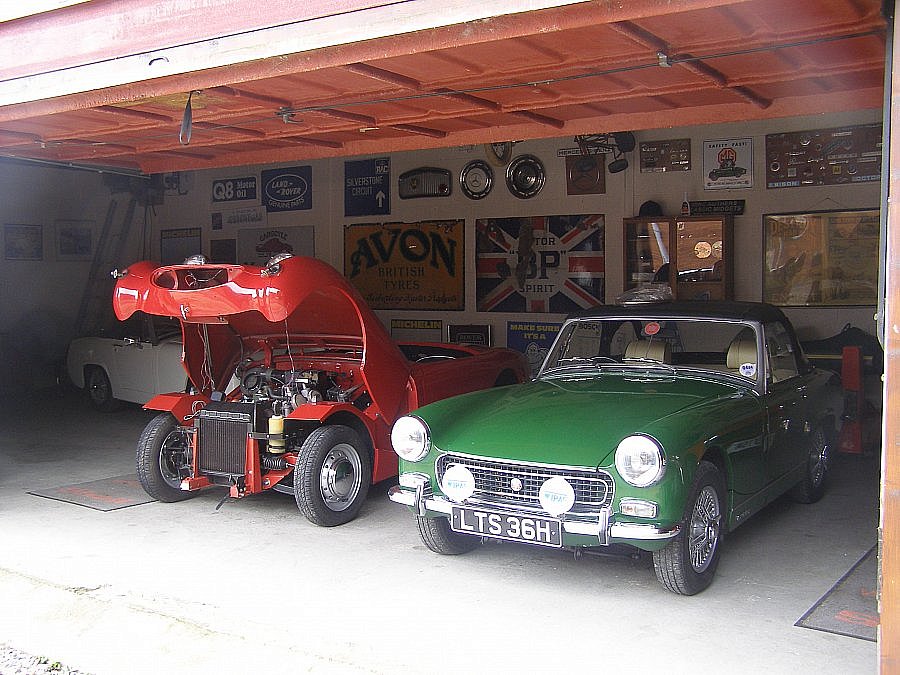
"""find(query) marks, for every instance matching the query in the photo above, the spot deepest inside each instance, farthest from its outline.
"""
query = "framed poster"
(223, 251)
(835, 156)
(821, 258)
(23, 242)
(470, 334)
(666, 155)
(540, 264)
(728, 164)
(417, 330)
(407, 265)
(74, 239)
(256, 246)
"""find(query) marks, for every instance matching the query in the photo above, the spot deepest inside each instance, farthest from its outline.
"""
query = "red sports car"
(320, 383)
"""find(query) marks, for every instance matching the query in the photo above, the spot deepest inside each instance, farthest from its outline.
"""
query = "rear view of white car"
(141, 359)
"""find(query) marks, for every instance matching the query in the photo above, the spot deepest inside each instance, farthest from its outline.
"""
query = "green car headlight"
(639, 460)
(410, 438)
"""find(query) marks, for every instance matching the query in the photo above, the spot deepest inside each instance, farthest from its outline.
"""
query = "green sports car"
(660, 426)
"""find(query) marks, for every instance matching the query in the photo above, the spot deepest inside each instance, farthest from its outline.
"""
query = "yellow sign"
(407, 265)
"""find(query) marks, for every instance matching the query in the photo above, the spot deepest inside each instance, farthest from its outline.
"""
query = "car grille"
(223, 430)
(594, 489)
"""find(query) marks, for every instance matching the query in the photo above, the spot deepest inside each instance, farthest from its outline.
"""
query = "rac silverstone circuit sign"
(367, 187)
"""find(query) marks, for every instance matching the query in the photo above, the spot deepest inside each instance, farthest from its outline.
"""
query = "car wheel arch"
(717, 457)
(90, 367)
(348, 419)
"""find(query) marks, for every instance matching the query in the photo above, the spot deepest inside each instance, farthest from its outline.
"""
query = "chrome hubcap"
(341, 477)
(704, 533)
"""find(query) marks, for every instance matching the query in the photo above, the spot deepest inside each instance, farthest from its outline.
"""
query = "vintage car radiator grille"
(223, 430)
(594, 490)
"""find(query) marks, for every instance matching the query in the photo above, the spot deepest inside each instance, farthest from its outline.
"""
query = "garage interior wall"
(40, 299)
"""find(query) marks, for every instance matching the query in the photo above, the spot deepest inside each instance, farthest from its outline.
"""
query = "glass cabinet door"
(647, 252)
(700, 259)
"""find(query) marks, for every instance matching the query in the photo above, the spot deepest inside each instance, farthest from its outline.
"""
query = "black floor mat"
(850, 608)
(106, 494)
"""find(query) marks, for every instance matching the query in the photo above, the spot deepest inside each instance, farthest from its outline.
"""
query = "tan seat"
(741, 350)
(654, 350)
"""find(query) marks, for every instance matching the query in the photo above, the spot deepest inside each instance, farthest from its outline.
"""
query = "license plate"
(529, 529)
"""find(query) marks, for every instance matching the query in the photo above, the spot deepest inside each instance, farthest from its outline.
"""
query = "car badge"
(516, 485)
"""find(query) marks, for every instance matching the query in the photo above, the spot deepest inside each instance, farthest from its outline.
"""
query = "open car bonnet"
(227, 310)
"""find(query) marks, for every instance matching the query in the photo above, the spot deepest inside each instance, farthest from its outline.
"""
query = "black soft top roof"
(738, 311)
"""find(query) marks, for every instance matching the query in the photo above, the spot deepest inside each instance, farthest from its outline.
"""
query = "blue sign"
(533, 339)
(367, 187)
(287, 189)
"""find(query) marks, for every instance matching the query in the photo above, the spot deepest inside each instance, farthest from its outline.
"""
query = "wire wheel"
(706, 519)
(818, 461)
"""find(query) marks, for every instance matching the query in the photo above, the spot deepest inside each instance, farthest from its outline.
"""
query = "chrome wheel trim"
(818, 464)
(173, 458)
(704, 530)
(340, 477)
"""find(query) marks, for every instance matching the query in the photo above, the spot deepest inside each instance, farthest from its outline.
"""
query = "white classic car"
(140, 359)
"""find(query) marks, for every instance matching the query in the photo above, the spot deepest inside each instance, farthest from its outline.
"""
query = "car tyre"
(438, 537)
(332, 476)
(163, 459)
(99, 390)
(812, 487)
(688, 563)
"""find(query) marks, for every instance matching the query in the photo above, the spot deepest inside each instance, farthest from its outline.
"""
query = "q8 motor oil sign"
(407, 265)
(540, 264)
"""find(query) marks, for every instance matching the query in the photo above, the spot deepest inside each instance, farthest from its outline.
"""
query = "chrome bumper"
(600, 528)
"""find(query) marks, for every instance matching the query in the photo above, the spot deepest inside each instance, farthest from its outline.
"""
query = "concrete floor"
(183, 588)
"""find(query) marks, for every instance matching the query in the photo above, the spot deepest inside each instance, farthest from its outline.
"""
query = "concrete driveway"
(253, 586)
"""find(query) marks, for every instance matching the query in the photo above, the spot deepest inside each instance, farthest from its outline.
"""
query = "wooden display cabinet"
(692, 254)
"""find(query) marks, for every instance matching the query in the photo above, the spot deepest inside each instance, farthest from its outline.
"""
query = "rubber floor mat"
(106, 494)
(851, 607)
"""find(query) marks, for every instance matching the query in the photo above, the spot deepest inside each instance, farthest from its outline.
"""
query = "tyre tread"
(306, 475)
(147, 460)
(437, 535)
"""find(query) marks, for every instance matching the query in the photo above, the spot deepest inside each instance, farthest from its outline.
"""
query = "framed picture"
(177, 244)
(728, 164)
(23, 242)
(821, 258)
(470, 334)
(74, 239)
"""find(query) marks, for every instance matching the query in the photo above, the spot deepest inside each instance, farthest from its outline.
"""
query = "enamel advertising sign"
(407, 265)
(287, 189)
(550, 264)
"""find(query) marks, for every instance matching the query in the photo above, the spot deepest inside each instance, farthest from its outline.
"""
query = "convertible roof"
(738, 311)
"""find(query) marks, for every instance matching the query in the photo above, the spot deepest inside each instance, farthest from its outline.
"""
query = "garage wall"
(625, 192)
(39, 299)
(42, 280)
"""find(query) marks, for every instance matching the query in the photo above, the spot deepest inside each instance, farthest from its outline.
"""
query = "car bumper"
(600, 530)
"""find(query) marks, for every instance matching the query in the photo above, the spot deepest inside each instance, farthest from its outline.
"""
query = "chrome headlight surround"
(410, 438)
(640, 460)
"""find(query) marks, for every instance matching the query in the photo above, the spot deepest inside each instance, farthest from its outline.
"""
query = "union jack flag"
(550, 264)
